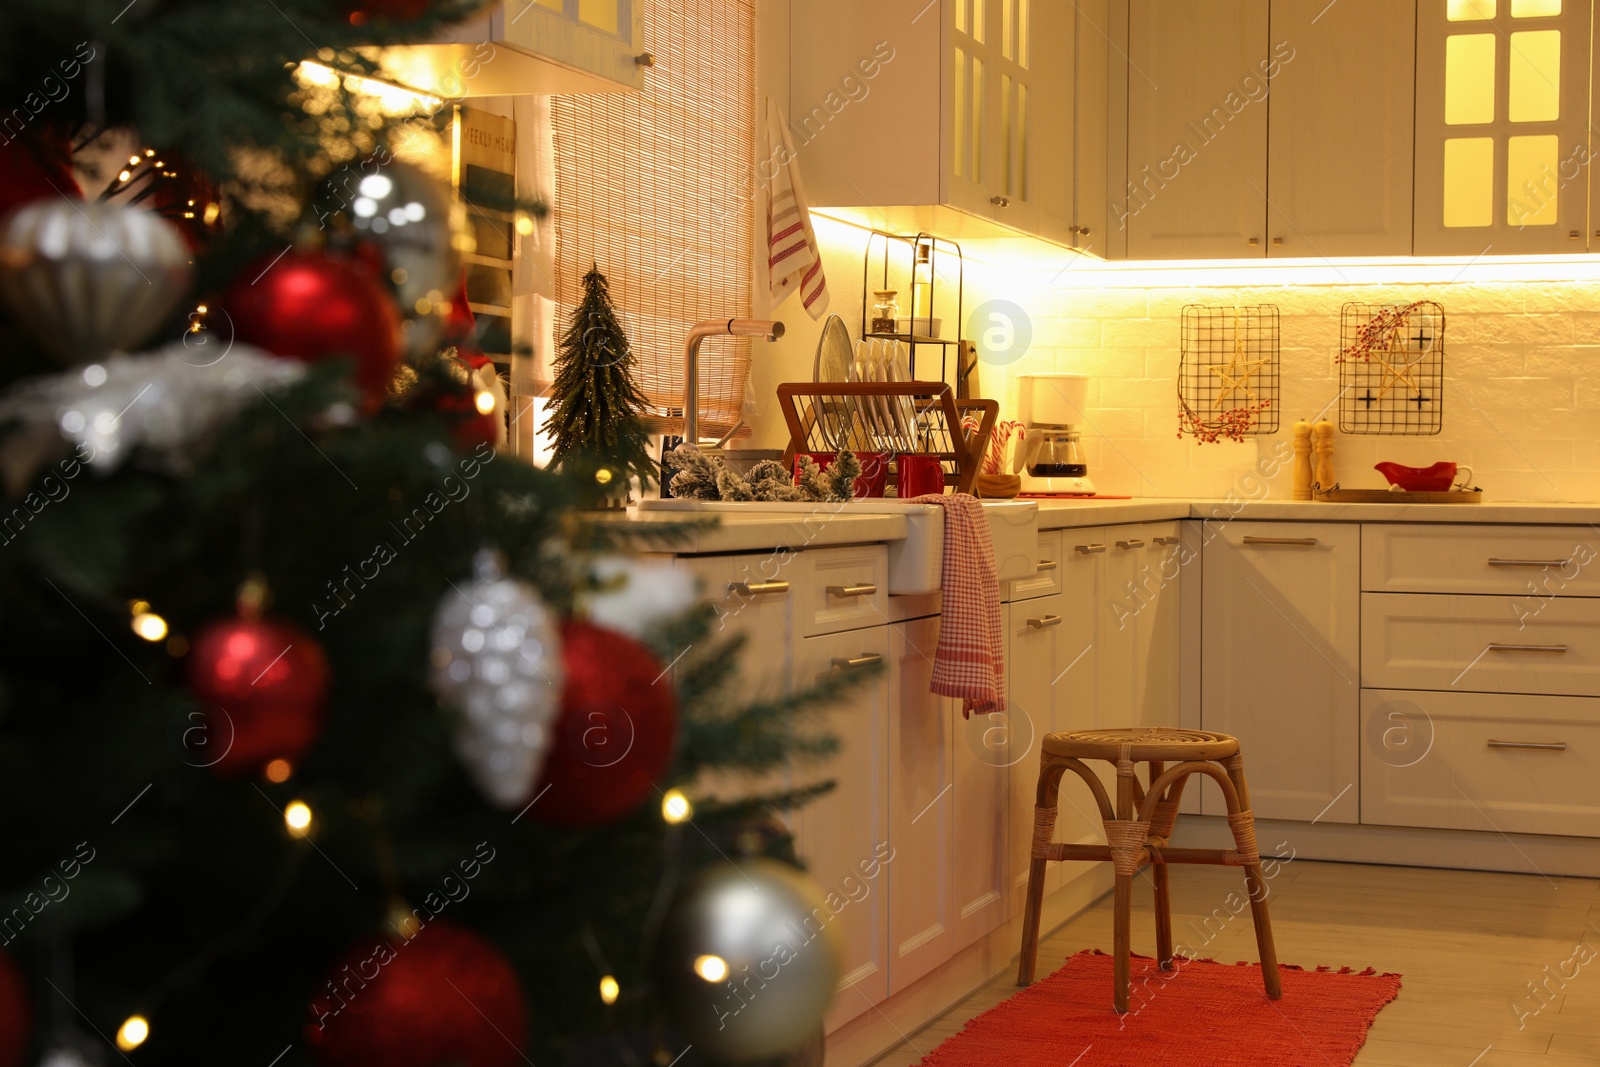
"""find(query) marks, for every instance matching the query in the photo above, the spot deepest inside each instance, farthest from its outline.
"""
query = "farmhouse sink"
(915, 561)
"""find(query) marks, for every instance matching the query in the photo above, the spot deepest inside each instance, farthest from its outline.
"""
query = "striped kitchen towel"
(793, 258)
(970, 661)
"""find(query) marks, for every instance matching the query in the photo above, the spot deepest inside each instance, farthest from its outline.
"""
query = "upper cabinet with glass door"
(530, 46)
(1502, 126)
(954, 116)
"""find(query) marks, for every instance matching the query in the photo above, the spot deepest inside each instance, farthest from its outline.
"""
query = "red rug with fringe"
(1201, 1014)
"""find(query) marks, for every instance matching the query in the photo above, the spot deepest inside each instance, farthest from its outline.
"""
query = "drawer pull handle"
(1044, 623)
(1529, 562)
(1496, 647)
(1304, 542)
(864, 589)
(757, 588)
(1164, 541)
(1548, 746)
(1135, 543)
(1087, 549)
(1047, 565)
(844, 663)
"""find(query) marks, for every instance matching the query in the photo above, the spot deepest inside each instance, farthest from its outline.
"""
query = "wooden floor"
(1472, 947)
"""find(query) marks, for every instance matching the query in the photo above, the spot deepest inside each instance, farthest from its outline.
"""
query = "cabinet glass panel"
(1535, 69)
(961, 101)
(980, 20)
(977, 120)
(1535, 9)
(1022, 141)
(1469, 181)
(601, 14)
(1530, 180)
(1470, 10)
(1469, 79)
(963, 19)
(1007, 135)
(1023, 20)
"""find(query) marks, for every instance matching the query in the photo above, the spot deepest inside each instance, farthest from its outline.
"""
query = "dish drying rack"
(892, 417)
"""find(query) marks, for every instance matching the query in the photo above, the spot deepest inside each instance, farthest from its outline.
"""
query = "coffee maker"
(1050, 456)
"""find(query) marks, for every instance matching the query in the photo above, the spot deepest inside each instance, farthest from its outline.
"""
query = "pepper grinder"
(1302, 460)
(1323, 429)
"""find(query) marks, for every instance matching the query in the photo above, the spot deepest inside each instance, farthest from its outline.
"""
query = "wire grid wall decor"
(1228, 376)
(1391, 369)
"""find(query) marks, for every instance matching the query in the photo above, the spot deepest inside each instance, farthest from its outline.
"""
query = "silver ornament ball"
(421, 230)
(747, 960)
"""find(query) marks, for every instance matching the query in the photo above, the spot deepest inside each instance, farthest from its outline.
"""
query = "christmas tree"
(595, 419)
(304, 690)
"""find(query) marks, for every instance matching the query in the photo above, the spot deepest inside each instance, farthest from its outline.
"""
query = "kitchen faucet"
(767, 329)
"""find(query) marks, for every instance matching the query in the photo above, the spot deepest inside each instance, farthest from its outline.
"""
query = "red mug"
(920, 475)
(871, 482)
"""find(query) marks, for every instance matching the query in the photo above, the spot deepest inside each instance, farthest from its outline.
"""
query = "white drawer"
(1531, 562)
(1477, 644)
(842, 589)
(1468, 761)
(1047, 577)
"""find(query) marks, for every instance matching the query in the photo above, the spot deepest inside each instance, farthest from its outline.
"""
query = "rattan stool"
(1138, 828)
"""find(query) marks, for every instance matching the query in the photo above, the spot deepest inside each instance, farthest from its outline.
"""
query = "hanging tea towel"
(970, 660)
(793, 259)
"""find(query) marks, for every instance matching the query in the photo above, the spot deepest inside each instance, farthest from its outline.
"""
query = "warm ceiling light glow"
(391, 99)
(279, 770)
(484, 402)
(711, 968)
(150, 626)
(132, 1033)
(609, 990)
(524, 223)
(675, 807)
(297, 817)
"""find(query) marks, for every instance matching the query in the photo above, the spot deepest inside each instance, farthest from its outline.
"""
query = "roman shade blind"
(655, 188)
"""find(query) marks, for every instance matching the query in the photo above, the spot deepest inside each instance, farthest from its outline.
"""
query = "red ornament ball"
(263, 683)
(364, 11)
(313, 306)
(444, 996)
(15, 1018)
(615, 734)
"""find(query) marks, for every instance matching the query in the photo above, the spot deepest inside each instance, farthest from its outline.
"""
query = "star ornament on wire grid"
(1236, 376)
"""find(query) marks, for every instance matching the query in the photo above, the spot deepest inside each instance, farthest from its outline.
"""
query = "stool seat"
(1149, 743)
(1138, 823)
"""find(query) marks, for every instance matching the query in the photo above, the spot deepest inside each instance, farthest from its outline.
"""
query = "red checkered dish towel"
(970, 662)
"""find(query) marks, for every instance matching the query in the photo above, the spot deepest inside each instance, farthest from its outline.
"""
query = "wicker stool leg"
(1044, 831)
(1163, 893)
(1244, 835)
(1126, 836)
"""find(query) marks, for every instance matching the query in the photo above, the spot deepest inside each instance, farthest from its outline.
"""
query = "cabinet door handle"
(1044, 623)
(1277, 242)
(844, 663)
(1495, 647)
(863, 589)
(1137, 542)
(1000, 201)
(1255, 242)
(1548, 746)
(1046, 565)
(1303, 542)
(645, 59)
(1166, 541)
(1087, 549)
(1528, 562)
(757, 588)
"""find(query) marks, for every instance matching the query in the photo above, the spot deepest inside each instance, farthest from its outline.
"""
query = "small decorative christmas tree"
(596, 418)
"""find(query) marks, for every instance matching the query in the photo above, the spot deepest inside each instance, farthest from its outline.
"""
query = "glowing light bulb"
(133, 161)
(675, 807)
(150, 626)
(484, 402)
(133, 1032)
(711, 968)
(524, 224)
(602, 476)
(279, 770)
(124, 176)
(609, 990)
(297, 817)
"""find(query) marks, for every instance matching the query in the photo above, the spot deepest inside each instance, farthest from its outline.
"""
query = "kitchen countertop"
(834, 525)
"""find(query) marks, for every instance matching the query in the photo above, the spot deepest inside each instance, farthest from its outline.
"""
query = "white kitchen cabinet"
(1503, 139)
(530, 46)
(1267, 129)
(843, 838)
(983, 823)
(1139, 626)
(1339, 136)
(1281, 648)
(955, 116)
(1196, 171)
(922, 808)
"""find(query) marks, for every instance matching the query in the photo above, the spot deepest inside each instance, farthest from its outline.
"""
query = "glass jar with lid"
(885, 311)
